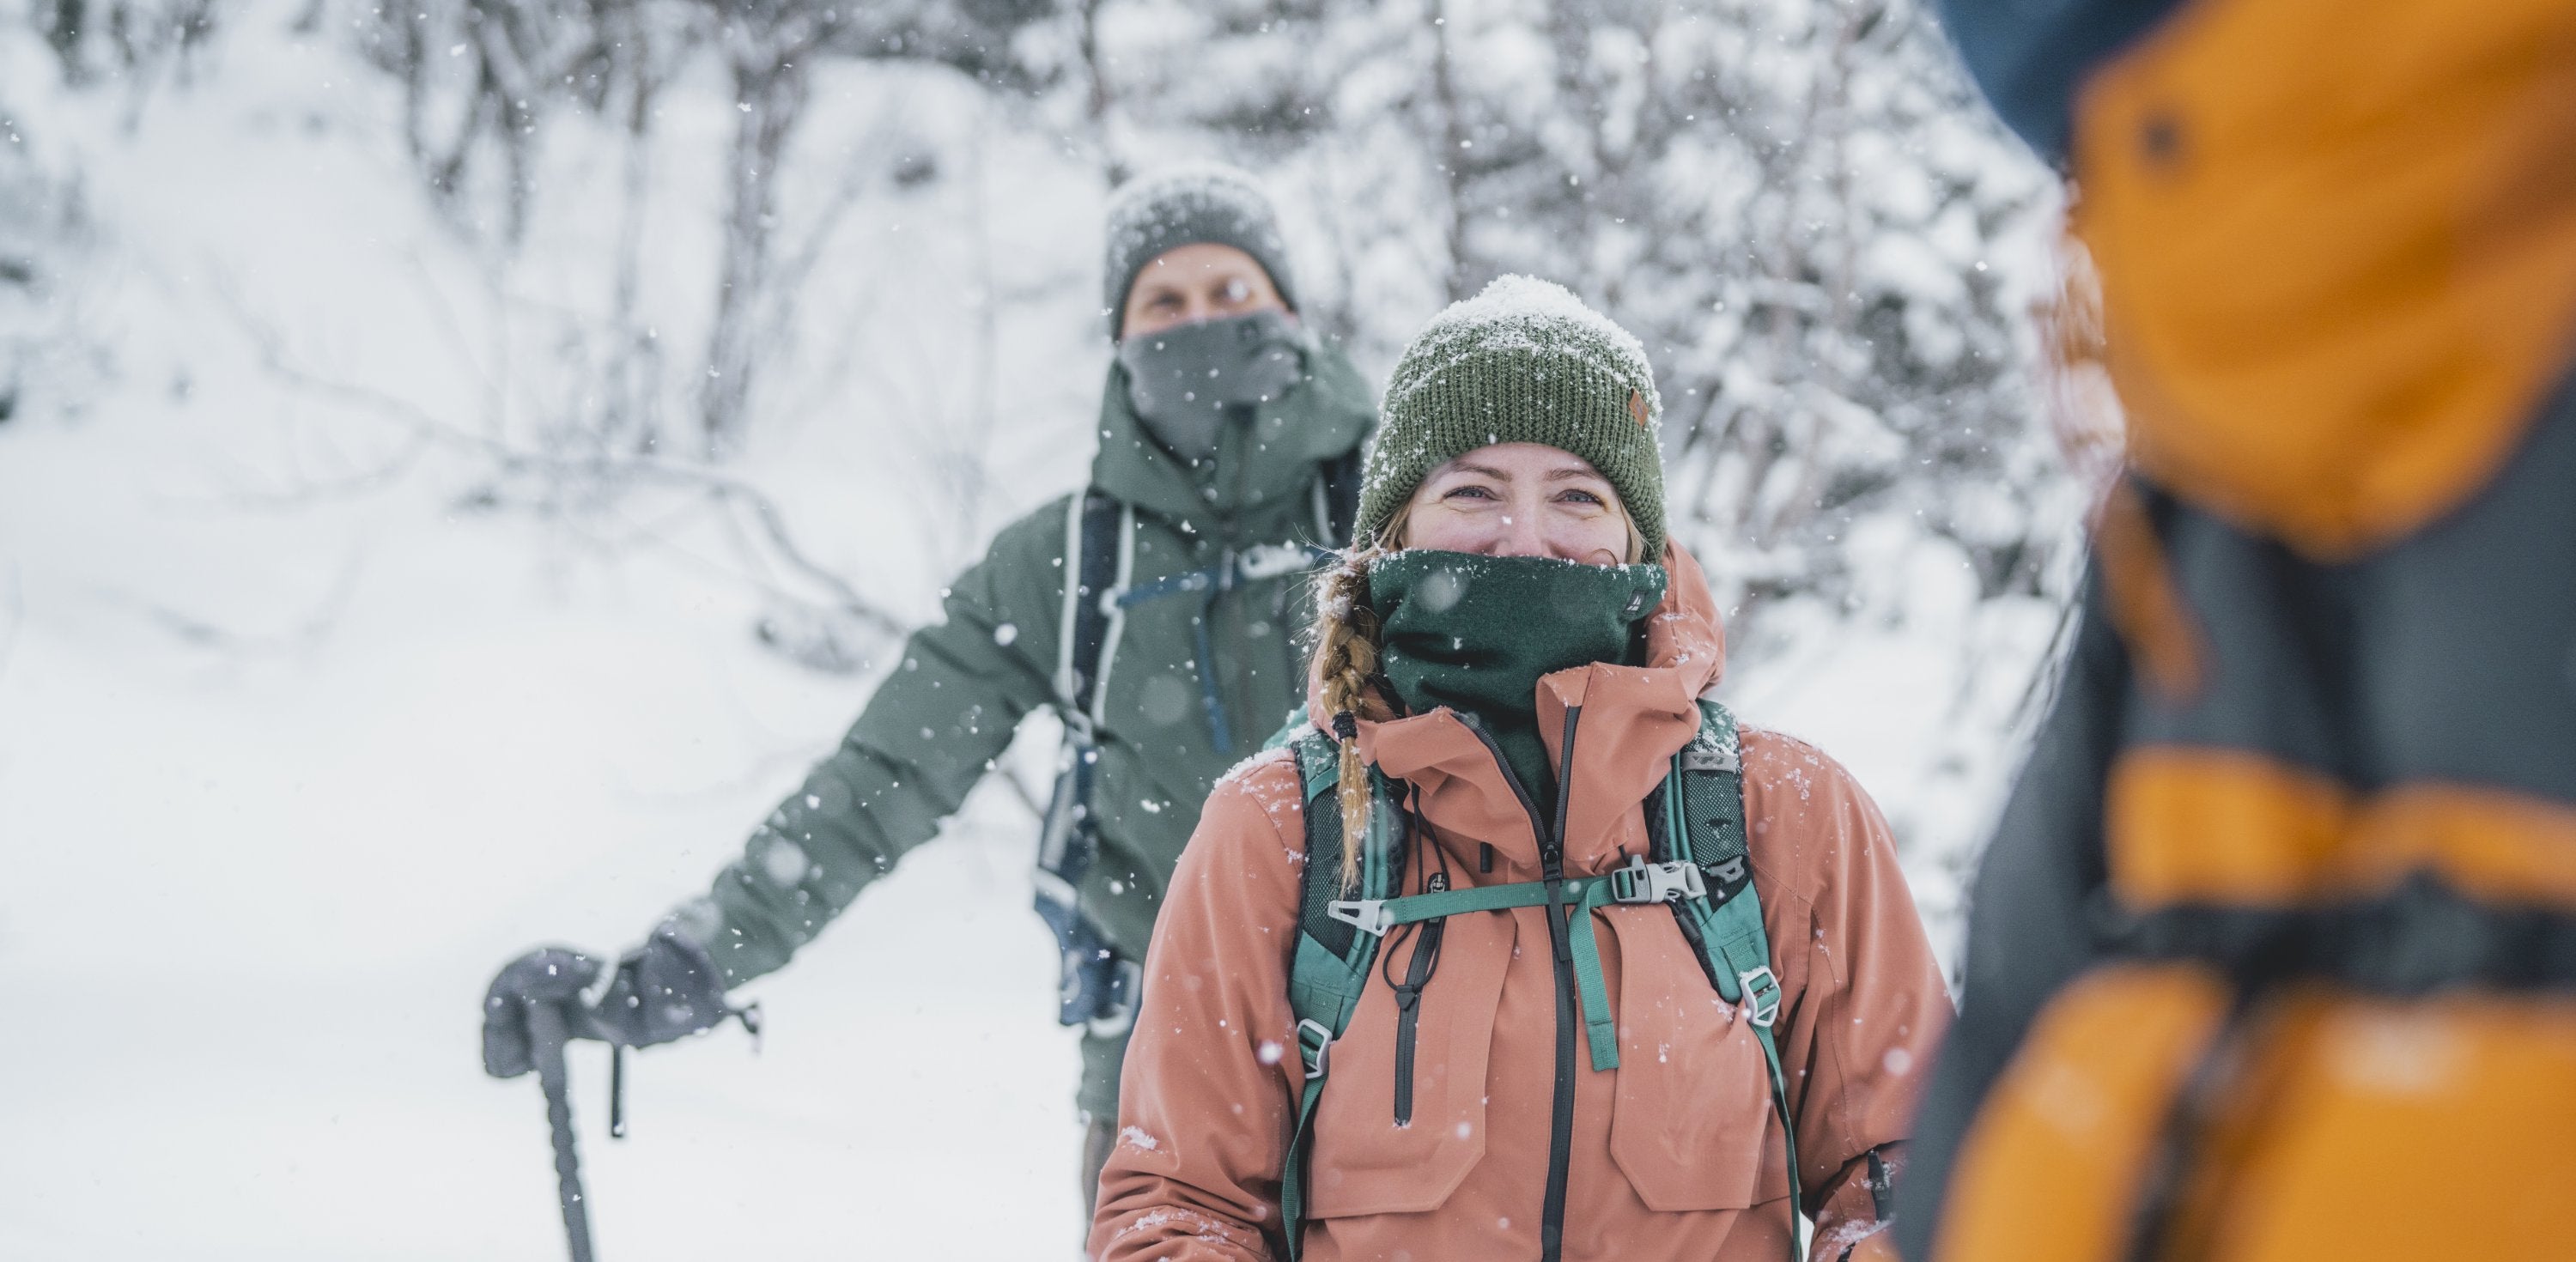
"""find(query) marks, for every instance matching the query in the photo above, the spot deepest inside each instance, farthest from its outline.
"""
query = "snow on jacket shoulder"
(1674, 1154)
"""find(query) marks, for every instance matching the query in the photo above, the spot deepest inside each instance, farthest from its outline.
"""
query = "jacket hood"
(1633, 719)
(1258, 466)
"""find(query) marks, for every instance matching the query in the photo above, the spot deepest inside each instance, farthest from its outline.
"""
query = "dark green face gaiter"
(1475, 633)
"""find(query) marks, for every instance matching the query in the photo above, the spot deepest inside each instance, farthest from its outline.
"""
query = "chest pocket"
(1362, 1162)
(1692, 1127)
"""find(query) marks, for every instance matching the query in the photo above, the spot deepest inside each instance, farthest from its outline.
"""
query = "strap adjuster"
(1368, 915)
(1643, 882)
(1274, 560)
(1705, 755)
(1761, 995)
(1313, 1041)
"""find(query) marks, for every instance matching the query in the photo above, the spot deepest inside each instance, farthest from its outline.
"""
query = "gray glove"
(665, 989)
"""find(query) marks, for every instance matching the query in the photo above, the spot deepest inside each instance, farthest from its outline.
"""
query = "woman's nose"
(1520, 534)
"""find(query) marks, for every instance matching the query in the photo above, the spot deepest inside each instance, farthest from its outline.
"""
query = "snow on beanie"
(1523, 362)
(1185, 205)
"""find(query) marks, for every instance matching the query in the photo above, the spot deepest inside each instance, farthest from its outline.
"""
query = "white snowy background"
(379, 583)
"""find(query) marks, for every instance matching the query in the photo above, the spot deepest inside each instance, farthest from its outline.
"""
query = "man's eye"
(1236, 290)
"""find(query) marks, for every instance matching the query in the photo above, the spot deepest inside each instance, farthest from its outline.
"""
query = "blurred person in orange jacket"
(2273, 956)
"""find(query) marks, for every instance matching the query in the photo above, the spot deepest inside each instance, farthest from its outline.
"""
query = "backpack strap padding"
(1098, 988)
(1704, 824)
(1097, 551)
(1333, 959)
(1340, 495)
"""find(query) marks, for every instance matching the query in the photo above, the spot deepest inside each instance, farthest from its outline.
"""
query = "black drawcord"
(1426, 956)
(1417, 831)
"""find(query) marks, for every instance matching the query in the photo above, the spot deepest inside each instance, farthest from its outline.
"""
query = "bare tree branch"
(601, 469)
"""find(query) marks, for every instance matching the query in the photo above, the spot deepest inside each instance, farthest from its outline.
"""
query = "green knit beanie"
(1523, 362)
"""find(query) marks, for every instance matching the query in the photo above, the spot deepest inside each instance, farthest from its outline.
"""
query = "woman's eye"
(1580, 497)
(1236, 290)
(1467, 492)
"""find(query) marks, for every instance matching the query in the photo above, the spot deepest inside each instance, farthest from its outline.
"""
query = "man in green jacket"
(1228, 431)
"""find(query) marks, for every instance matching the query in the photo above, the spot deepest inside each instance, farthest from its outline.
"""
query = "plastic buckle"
(1643, 882)
(1761, 995)
(1704, 755)
(1313, 1041)
(1368, 915)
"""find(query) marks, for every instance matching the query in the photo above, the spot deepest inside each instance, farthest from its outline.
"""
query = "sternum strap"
(1584, 895)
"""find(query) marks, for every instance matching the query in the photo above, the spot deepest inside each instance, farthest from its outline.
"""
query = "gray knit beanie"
(1523, 362)
(1183, 205)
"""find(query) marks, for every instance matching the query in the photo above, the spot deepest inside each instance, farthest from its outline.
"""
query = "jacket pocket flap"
(1362, 1162)
(1693, 1127)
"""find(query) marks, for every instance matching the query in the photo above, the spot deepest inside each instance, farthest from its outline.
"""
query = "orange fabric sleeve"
(1212, 1071)
(1870, 1004)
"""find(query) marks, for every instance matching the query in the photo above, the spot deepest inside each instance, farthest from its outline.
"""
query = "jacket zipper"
(1408, 1003)
(1551, 853)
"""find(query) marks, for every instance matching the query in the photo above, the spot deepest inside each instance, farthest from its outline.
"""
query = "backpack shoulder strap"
(1096, 548)
(1297, 725)
(1333, 958)
(1703, 824)
(1338, 498)
(1098, 988)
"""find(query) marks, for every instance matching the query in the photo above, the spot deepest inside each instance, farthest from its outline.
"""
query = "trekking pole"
(546, 1037)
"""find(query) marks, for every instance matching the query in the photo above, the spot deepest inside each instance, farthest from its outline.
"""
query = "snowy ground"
(294, 750)
(250, 890)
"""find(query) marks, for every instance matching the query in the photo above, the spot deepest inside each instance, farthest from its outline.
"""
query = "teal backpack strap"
(1333, 957)
(1297, 725)
(1703, 827)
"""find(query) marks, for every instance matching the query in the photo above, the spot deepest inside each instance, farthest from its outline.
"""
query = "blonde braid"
(1346, 655)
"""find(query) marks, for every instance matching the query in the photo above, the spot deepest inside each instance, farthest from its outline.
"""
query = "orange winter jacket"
(1675, 1154)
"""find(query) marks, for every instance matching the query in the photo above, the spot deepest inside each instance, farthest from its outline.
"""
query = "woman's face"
(1519, 500)
(1200, 281)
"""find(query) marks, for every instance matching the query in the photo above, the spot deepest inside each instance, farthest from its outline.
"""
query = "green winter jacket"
(952, 704)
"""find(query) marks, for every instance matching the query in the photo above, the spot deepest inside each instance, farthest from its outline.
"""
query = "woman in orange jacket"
(1522, 686)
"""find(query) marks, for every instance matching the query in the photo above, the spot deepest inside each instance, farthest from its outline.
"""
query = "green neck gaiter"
(1475, 633)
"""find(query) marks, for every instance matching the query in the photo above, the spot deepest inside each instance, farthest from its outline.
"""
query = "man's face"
(1200, 281)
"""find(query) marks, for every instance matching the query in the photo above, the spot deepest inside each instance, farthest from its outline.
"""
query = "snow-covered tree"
(1829, 247)
(1793, 203)
(43, 246)
(481, 77)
